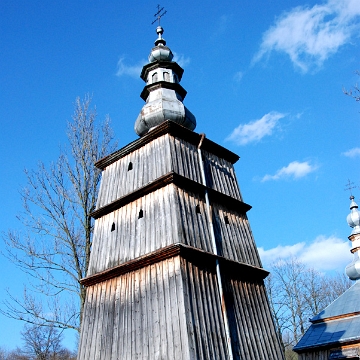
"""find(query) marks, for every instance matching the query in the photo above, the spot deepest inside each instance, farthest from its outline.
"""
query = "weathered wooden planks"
(171, 310)
(152, 288)
(139, 315)
(318, 355)
(169, 216)
(165, 154)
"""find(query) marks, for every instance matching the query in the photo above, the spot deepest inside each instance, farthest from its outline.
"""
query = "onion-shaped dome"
(160, 52)
(353, 219)
(162, 93)
(353, 269)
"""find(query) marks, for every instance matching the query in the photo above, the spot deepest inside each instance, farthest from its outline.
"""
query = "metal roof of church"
(347, 303)
(338, 323)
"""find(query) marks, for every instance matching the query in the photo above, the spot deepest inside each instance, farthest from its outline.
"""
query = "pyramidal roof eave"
(176, 130)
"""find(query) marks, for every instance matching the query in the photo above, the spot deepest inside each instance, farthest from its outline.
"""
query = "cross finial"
(349, 186)
(159, 14)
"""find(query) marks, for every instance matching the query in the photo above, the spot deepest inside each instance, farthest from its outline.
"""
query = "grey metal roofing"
(347, 303)
(331, 332)
(327, 329)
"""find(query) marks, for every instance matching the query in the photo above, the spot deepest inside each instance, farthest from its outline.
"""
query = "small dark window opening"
(198, 211)
(226, 220)
(113, 227)
(130, 167)
(141, 214)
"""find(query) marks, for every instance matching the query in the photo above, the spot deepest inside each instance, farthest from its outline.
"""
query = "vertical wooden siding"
(251, 325)
(169, 216)
(171, 310)
(315, 355)
(139, 315)
(134, 236)
(159, 157)
(204, 319)
(234, 236)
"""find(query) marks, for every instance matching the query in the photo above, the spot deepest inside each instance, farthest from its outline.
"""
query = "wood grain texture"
(152, 290)
(139, 315)
(318, 355)
(155, 159)
(175, 130)
(169, 216)
(171, 310)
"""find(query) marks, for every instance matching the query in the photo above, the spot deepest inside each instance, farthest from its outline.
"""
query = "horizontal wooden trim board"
(180, 181)
(168, 127)
(233, 268)
(331, 318)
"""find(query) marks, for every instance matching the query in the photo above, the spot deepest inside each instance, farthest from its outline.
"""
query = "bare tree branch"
(53, 246)
(297, 293)
(354, 92)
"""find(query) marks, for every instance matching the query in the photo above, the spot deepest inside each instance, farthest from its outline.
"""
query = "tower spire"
(353, 219)
(162, 93)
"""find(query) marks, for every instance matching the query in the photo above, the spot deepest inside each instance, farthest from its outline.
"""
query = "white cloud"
(310, 35)
(255, 130)
(294, 170)
(181, 59)
(135, 70)
(238, 76)
(352, 152)
(221, 26)
(323, 254)
(130, 70)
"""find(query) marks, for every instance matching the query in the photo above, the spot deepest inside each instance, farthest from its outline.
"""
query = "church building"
(335, 332)
(174, 271)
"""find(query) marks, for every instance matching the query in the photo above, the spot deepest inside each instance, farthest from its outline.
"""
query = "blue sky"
(264, 79)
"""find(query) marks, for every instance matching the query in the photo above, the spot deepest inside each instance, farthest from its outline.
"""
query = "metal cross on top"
(159, 15)
(349, 186)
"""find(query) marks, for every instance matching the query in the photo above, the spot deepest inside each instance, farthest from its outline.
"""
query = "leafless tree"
(297, 293)
(354, 91)
(53, 247)
(41, 342)
(16, 355)
(3, 354)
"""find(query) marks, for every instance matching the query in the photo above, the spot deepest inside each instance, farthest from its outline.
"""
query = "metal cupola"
(162, 93)
(353, 220)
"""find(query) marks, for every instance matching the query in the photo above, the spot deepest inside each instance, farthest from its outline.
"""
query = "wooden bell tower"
(174, 270)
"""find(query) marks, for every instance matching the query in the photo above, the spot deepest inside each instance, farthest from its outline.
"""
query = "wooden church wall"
(250, 319)
(171, 310)
(221, 175)
(317, 355)
(164, 304)
(169, 215)
(234, 236)
(159, 157)
(203, 313)
(141, 312)
(134, 236)
(167, 310)
(234, 239)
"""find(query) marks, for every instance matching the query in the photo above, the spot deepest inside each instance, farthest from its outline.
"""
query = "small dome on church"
(353, 219)
(163, 94)
(160, 52)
